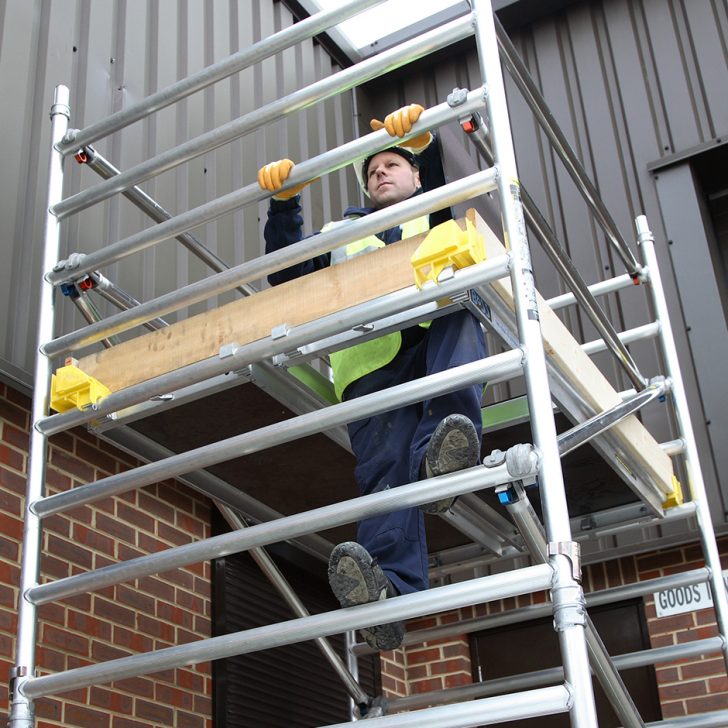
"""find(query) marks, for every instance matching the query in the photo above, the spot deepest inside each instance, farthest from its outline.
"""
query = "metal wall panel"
(630, 82)
(112, 53)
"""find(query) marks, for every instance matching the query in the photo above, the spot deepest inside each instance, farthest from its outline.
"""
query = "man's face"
(391, 178)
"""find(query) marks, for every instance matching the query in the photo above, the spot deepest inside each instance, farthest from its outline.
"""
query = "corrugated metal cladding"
(629, 82)
(111, 53)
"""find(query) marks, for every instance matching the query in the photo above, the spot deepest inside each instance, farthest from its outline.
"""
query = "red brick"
(93, 539)
(90, 626)
(11, 527)
(154, 712)
(119, 722)
(109, 610)
(65, 640)
(102, 697)
(58, 524)
(156, 508)
(69, 464)
(426, 686)
(137, 686)
(157, 587)
(172, 613)
(172, 535)
(667, 675)
(189, 680)
(149, 544)
(12, 458)
(54, 567)
(134, 598)
(706, 704)
(704, 668)
(188, 720)
(16, 437)
(659, 560)
(115, 528)
(181, 577)
(190, 526)
(9, 573)
(12, 481)
(155, 628)
(134, 640)
(170, 695)
(454, 681)
(451, 666)
(93, 456)
(50, 709)
(51, 660)
(127, 553)
(54, 613)
(718, 685)
(11, 413)
(78, 715)
(418, 657)
(673, 710)
(662, 640)
(70, 551)
(135, 517)
(57, 482)
(672, 624)
(682, 690)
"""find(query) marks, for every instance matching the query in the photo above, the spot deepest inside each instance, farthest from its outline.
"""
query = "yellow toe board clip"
(70, 388)
(446, 245)
(675, 498)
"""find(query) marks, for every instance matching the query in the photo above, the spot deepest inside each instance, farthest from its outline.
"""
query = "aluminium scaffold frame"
(551, 545)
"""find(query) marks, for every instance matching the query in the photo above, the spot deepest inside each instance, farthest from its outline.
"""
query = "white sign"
(682, 599)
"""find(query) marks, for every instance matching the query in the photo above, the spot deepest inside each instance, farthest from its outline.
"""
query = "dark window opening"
(286, 687)
(522, 648)
(711, 172)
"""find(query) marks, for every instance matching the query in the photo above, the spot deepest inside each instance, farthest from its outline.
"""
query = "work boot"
(454, 445)
(356, 578)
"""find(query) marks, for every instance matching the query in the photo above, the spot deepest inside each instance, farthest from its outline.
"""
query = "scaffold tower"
(500, 290)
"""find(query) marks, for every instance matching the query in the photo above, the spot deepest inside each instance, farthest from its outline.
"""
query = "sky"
(384, 19)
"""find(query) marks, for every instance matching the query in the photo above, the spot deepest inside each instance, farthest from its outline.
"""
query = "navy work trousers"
(389, 448)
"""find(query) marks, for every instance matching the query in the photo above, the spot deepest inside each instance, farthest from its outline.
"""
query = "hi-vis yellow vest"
(351, 364)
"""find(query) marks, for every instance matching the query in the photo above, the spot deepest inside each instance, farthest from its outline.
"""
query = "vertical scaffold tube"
(21, 708)
(696, 484)
(569, 611)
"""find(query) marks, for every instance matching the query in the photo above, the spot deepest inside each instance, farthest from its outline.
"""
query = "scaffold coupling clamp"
(572, 551)
(522, 460)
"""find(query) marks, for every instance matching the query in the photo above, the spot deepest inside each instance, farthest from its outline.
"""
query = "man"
(422, 440)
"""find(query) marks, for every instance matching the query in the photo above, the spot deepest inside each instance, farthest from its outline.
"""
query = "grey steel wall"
(111, 53)
(631, 83)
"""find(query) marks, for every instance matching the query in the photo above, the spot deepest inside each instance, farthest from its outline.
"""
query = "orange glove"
(274, 175)
(400, 122)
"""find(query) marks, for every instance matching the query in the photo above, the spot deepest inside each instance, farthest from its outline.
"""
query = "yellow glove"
(400, 122)
(274, 175)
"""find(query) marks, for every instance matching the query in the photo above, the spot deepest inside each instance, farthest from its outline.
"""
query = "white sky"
(387, 18)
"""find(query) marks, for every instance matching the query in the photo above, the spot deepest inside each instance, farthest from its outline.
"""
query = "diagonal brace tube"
(298, 100)
(561, 146)
(452, 193)
(305, 171)
(209, 75)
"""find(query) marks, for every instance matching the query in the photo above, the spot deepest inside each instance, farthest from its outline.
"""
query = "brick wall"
(152, 613)
(686, 687)
(691, 685)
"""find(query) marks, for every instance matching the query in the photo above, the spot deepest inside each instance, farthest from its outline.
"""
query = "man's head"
(390, 176)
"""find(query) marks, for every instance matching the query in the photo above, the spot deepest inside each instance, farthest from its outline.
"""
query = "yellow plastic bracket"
(70, 388)
(447, 244)
(676, 498)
